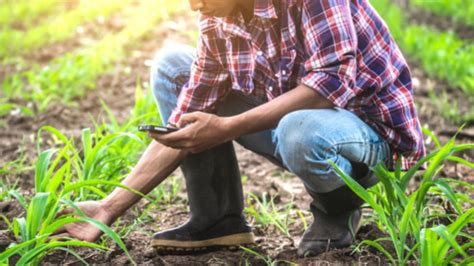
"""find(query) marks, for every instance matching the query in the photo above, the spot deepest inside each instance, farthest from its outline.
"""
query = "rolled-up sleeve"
(331, 45)
(208, 83)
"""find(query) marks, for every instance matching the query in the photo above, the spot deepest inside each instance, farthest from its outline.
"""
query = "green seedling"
(266, 212)
(402, 214)
(167, 192)
(267, 260)
(52, 191)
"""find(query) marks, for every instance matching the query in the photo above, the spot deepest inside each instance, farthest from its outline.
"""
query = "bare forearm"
(268, 115)
(155, 165)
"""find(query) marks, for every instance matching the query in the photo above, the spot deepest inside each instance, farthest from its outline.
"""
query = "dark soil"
(117, 89)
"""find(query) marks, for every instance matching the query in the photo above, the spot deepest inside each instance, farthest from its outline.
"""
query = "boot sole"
(230, 241)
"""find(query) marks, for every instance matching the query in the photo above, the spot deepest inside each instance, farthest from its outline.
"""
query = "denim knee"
(306, 153)
(169, 72)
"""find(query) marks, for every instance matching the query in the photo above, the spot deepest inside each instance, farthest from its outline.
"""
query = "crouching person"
(300, 82)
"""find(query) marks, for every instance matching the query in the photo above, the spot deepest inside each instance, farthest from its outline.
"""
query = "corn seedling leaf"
(19, 198)
(381, 249)
(442, 231)
(430, 134)
(461, 161)
(36, 213)
(43, 249)
(449, 193)
(74, 253)
(41, 170)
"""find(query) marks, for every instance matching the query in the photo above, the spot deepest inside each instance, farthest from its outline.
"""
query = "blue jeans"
(303, 142)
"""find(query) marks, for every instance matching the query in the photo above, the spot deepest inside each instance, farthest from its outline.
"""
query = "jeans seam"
(353, 142)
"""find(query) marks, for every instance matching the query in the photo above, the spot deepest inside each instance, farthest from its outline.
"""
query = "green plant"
(101, 158)
(435, 51)
(52, 191)
(82, 173)
(460, 10)
(167, 192)
(73, 74)
(25, 12)
(144, 111)
(436, 242)
(267, 260)
(404, 216)
(16, 42)
(265, 212)
(449, 106)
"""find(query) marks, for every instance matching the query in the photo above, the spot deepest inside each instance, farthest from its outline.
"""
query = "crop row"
(461, 10)
(16, 42)
(71, 75)
(408, 215)
(25, 12)
(72, 173)
(425, 223)
(443, 56)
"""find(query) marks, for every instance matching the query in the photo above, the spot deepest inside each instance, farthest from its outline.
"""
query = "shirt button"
(270, 88)
(259, 53)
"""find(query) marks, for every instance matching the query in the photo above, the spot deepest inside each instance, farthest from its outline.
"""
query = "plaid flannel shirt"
(340, 48)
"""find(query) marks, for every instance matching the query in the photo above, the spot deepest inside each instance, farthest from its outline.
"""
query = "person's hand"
(198, 132)
(82, 230)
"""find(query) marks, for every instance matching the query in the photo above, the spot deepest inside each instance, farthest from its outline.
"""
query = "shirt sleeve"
(331, 42)
(207, 84)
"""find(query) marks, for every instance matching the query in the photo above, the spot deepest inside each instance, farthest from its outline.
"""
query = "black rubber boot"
(337, 218)
(215, 198)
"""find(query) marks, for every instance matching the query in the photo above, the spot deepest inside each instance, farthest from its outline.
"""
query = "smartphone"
(156, 129)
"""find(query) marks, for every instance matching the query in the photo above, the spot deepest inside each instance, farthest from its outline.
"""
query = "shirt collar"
(265, 9)
(234, 25)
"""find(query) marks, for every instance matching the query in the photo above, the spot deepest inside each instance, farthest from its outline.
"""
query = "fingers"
(175, 137)
(59, 236)
(196, 4)
(177, 144)
(64, 212)
(60, 231)
(187, 136)
(187, 119)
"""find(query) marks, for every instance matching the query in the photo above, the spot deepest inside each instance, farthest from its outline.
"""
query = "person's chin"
(216, 14)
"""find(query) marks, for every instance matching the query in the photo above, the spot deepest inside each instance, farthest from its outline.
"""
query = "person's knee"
(173, 57)
(299, 147)
(173, 60)
(306, 151)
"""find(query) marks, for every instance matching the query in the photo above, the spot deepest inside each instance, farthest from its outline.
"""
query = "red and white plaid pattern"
(340, 48)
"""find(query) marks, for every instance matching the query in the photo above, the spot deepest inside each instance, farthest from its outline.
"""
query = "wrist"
(233, 126)
(109, 210)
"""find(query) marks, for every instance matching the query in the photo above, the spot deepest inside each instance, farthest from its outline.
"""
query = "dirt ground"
(117, 90)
